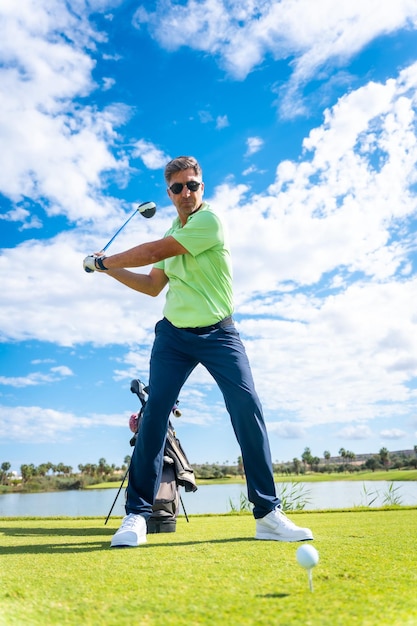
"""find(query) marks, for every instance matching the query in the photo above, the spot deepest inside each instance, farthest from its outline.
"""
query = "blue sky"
(303, 116)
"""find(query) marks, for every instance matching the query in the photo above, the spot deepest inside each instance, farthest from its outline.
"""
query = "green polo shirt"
(200, 282)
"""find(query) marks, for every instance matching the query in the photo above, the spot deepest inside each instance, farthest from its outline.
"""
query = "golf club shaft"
(183, 508)
(120, 230)
(117, 495)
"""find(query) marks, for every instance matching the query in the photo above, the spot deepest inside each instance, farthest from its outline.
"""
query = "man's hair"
(182, 163)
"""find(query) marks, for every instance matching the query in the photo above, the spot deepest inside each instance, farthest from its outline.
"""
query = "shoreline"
(395, 475)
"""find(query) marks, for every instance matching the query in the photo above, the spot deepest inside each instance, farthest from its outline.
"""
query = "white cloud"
(222, 121)
(324, 361)
(253, 144)
(62, 370)
(241, 34)
(356, 432)
(56, 151)
(34, 424)
(249, 170)
(393, 433)
(205, 117)
(152, 157)
(55, 272)
(23, 216)
(343, 207)
(108, 83)
(286, 430)
(37, 378)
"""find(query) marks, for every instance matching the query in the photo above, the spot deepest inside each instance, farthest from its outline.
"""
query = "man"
(193, 259)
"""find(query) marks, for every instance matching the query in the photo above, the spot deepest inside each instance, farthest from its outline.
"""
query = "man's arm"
(150, 284)
(146, 254)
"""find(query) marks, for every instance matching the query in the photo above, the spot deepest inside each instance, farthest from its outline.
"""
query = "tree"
(44, 468)
(60, 468)
(103, 467)
(27, 471)
(372, 463)
(342, 453)
(307, 457)
(351, 456)
(384, 456)
(5, 466)
(297, 465)
(240, 468)
(315, 462)
(327, 455)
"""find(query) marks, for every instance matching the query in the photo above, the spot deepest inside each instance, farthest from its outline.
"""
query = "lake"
(210, 498)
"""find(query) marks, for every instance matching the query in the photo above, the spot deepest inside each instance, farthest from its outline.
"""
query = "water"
(208, 499)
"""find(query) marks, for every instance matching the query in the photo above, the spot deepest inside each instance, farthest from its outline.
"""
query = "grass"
(391, 475)
(210, 572)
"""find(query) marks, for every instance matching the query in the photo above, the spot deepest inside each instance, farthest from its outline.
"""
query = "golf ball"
(307, 556)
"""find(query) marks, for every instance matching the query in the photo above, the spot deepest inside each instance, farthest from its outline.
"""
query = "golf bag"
(176, 470)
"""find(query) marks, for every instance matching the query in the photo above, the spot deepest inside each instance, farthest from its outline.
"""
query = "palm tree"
(60, 468)
(350, 455)
(384, 456)
(27, 471)
(307, 457)
(297, 464)
(240, 468)
(315, 462)
(5, 466)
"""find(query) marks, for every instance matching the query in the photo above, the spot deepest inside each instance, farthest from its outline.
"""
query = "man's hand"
(94, 263)
(89, 263)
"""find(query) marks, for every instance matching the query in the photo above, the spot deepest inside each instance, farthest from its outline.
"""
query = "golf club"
(147, 209)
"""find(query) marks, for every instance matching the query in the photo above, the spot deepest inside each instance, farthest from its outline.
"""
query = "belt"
(202, 330)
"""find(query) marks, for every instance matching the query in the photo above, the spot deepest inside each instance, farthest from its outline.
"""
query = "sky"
(303, 117)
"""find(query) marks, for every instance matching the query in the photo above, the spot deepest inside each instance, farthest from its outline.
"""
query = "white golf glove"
(89, 264)
(94, 263)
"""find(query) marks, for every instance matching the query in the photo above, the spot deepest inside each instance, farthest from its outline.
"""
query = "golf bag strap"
(184, 472)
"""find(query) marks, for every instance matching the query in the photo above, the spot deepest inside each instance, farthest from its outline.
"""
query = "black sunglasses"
(192, 185)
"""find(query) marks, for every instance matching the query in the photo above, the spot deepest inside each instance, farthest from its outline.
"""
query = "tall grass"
(293, 496)
(390, 497)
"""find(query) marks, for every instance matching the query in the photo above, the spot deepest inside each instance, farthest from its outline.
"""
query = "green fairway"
(211, 571)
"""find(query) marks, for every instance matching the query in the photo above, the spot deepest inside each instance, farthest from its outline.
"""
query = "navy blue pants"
(175, 354)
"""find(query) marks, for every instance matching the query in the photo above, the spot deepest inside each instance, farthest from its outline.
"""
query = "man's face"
(186, 201)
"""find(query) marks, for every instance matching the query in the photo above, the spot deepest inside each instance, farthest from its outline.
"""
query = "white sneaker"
(131, 533)
(277, 527)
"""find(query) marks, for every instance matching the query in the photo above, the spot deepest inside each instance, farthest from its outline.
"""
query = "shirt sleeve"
(202, 232)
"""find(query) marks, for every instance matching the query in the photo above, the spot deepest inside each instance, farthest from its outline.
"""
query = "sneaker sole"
(125, 544)
(274, 537)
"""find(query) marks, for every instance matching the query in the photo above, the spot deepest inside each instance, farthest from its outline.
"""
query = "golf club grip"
(87, 269)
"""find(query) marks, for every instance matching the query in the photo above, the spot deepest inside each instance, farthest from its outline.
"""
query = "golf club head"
(147, 209)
